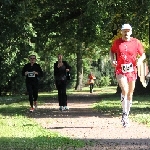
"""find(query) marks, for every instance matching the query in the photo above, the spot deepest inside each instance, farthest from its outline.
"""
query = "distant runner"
(91, 81)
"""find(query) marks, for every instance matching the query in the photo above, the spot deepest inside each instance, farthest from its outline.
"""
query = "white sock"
(124, 103)
(129, 104)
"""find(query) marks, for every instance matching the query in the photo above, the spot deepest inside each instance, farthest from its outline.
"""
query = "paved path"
(82, 122)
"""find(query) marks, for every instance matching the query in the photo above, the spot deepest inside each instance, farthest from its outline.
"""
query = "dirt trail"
(82, 122)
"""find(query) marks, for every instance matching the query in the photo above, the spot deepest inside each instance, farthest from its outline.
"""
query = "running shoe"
(61, 108)
(31, 109)
(66, 108)
(124, 120)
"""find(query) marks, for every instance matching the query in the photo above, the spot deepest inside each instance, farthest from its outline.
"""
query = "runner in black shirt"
(61, 68)
(32, 71)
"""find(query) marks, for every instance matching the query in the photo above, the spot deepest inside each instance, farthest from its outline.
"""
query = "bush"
(105, 81)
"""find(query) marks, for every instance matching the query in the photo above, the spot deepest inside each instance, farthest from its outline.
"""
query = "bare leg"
(130, 95)
(122, 81)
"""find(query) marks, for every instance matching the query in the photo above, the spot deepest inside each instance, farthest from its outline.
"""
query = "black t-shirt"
(31, 77)
(61, 71)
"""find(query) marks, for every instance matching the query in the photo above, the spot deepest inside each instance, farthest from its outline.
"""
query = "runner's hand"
(114, 63)
(139, 61)
(26, 73)
(35, 72)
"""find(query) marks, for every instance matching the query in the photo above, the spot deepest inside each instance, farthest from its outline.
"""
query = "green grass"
(109, 103)
(20, 132)
(103, 90)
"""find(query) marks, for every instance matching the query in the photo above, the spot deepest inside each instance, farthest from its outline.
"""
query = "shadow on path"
(101, 131)
(80, 105)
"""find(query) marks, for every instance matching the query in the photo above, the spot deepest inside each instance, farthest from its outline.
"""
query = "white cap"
(126, 26)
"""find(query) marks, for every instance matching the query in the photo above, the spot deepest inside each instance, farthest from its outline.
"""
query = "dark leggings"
(62, 97)
(32, 89)
(91, 87)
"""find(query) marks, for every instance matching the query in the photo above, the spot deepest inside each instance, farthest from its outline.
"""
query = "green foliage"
(104, 72)
(104, 81)
(49, 27)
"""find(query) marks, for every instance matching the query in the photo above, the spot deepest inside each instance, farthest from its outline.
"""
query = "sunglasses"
(32, 58)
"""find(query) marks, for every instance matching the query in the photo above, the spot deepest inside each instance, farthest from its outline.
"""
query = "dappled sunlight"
(94, 118)
(72, 106)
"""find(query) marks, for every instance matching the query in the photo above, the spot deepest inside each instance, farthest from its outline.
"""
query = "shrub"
(105, 81)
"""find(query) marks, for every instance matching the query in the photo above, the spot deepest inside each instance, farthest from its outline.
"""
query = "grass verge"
(110, 103)
(19, 132)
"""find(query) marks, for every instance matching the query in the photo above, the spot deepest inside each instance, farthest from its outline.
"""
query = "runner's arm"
(112, 59)
(141, 58)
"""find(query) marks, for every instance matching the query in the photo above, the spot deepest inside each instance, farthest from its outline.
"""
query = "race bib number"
(31, 74)
(127, 68)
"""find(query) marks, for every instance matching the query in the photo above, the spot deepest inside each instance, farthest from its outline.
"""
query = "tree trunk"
(0, 76)
(79, 70)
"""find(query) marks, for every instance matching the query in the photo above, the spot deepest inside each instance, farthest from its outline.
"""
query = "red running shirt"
(91, 79)
(126, 53)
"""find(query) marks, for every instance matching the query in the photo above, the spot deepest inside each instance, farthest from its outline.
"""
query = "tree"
(80, 28)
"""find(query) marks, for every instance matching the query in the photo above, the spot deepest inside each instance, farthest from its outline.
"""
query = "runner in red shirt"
(91, 81)
(124, 57)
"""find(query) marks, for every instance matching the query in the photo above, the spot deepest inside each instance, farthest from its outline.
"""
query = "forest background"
(81, 30)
